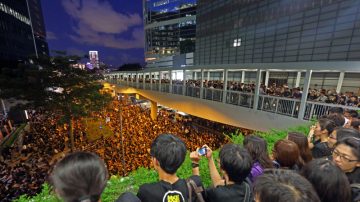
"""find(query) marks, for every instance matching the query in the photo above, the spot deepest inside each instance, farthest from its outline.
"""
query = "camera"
(202, 151)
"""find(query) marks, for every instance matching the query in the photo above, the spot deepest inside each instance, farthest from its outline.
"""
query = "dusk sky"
(112, 27)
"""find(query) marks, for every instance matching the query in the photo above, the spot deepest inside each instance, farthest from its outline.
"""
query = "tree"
(53, 83)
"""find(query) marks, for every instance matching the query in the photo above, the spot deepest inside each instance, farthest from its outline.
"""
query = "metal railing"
(192, 91)
(279, 105)
(273, 104)
(240, 98)
(315, 110)
(213, 94)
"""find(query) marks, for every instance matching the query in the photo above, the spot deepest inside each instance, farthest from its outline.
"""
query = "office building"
(170, 32)
(94, 59)
(38, 27)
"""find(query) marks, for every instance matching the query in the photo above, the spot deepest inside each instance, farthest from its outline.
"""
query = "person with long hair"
(323, 129)
(80, 176)
(286, 155)
(329, 181)
(257, 148)
(303, 144)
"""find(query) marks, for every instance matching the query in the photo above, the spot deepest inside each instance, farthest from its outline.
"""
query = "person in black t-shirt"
(167, 154)
(235, 164)
(324, 128)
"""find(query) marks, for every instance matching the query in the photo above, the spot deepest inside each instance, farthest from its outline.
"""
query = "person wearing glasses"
(346, 155)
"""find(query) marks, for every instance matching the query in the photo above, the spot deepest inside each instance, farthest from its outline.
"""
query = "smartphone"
(202, 151)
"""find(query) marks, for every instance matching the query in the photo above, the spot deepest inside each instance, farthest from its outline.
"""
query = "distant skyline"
(113, 28)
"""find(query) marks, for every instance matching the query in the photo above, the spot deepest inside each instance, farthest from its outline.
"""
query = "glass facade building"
(275, 31)
(22, 30)
(170, 27)
(38, 25)
(16, 39)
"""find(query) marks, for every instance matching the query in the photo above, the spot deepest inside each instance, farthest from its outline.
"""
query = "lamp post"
(121, 136)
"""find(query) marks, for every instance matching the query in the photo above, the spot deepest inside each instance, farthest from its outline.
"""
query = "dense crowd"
(325, 166)
(330, 96)
(25, 166)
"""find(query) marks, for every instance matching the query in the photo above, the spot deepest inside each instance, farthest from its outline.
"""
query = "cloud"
(76, 51)
(97, 23)
(50, 35)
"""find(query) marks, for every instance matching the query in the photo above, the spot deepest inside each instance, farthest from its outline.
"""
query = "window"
(237, 42)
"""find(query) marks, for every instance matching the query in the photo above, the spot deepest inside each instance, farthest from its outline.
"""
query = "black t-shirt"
(228, 193)
(164, 191)
(321, 150)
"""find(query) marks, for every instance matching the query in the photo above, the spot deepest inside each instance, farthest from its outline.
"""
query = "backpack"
(192, 187)
(355, 191)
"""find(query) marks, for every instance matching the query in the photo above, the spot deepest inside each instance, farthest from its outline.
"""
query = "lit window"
(237, 42)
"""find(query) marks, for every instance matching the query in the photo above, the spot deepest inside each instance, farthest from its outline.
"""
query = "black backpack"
(192, 187)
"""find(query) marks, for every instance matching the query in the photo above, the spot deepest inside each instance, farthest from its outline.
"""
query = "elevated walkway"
(217, 111)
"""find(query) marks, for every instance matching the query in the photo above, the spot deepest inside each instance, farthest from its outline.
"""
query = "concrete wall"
(216, 111)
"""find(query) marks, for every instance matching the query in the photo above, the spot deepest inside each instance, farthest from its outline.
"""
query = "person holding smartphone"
(235, 165)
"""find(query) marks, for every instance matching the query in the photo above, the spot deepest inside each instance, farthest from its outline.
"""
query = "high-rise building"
(170, 30)
(38, 27)
(268, 31)
(94, 59)
(22, 32)
(16, 38)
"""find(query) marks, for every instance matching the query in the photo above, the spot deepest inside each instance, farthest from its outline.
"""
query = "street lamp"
(121, 136)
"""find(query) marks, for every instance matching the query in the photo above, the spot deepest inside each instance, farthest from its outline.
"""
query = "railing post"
(257, 89)
(226, 72)
(305, 94)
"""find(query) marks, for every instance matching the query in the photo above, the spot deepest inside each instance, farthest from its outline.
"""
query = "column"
(242, 77)
(225, 76)
(298, 77)
(151, 80)
(340, 82)
(160, 77)
(267, 75)
(143, 83)
(305, 94)
(257, 89)
(195, 75)
(208, 76)
(202, 84)
(153, 110)
(170, 78)
(137, 80)
(184, 82)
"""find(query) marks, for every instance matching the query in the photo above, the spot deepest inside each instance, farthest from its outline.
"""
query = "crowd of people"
(325, 166)
(25, 166)
(315, 94)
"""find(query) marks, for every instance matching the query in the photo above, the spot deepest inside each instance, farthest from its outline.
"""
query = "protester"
(80, 176)
(235, 165)
(167, 154)
(286, 155)
(284, 186)
(321, 131)
(302, 142)
(346, 155)
(257, 148)
(329, 181)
